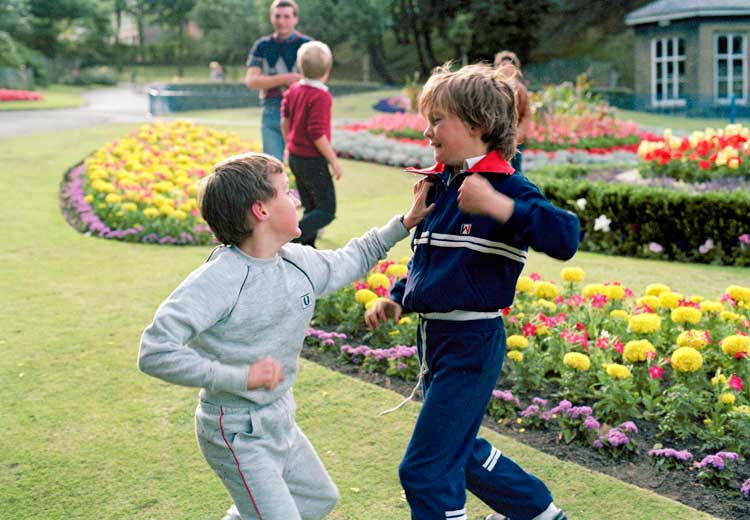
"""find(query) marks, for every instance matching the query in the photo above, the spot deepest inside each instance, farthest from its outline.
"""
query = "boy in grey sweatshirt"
(235, 327)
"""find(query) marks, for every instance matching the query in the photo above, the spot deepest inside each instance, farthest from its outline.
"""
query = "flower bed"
(19, 95)
(141, 188)
(703, 156)
(616, 363)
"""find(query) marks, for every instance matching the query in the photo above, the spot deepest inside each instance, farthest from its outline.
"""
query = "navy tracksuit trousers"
(445, 457)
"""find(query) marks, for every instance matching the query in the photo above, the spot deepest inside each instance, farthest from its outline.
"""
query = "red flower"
(735, 383)
(529, 329)
(535, 276)
(656, 372)
(507, 310)
(618, 346)
(381, 291)
(704, 165)
(602, 343)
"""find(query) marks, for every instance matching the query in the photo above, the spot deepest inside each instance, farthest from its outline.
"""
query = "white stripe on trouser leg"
(459, 514)
(495, 454)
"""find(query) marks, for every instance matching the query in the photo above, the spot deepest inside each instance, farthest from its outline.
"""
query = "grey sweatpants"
(265, 461)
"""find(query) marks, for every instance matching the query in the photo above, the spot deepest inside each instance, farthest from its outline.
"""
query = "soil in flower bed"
(675, 484)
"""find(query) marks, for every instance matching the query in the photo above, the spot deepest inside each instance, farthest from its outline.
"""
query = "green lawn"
(86, 436)
(55, 96)
(686, 124)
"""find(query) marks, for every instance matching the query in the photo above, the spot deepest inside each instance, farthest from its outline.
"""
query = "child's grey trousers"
(265, 461)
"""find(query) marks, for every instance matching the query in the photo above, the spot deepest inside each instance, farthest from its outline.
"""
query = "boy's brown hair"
(510, 56)
(235, 184)
(284, 3)
(314, 59)
(478, 95)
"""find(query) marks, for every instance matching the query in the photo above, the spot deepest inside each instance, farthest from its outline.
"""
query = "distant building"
(692, 56)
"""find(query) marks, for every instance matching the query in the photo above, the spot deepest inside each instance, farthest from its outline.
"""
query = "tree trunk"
(139, 18)
(180, 48)
(428, 47)
(377, 60)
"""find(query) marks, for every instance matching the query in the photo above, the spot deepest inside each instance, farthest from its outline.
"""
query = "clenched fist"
(266, 373)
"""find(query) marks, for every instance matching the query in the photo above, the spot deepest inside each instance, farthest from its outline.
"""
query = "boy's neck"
(260, 245)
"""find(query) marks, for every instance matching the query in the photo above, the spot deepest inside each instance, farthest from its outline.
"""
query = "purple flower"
(617, 438)
(590, 423)
(727, 455)
(628, 426)
(706, 247)
(530, 410)
(506, 396)
(671, 453)
(655, 247)
(745, 488)
(541, 402)
(745, 239)
(577, 411)
(712, 460)
(597, 443)
(563, 407)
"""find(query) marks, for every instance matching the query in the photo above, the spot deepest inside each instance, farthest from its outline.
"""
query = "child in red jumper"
(306, 125)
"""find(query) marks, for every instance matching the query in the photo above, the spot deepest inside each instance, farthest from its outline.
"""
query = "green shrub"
(654, 222)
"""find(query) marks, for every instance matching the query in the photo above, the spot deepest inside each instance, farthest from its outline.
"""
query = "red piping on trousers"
(236, 461)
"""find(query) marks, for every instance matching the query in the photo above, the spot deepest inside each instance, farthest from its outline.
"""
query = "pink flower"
(535, 276)
(655, 247)
(656, 372)
(529, 329)
(745, 238)
(735, 383)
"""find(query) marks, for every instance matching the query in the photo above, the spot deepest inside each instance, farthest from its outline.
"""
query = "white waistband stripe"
(460, 315)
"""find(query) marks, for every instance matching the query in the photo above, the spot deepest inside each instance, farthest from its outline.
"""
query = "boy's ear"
(258, 211)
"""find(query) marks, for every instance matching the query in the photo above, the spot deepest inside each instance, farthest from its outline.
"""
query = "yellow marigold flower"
(649, 300)
(615, 292)
(637, 350)
(718, 380)
(727, 398)
(178, 214)
(88, 198)
(166, 209)
(192, 190)
(369, 304)
(686, 315)
(738, 293)
(515, 355)
(112, 198)
(524, 284)
(729, 316)
(697, 299)
(617, 371)
(394, 332)
(655, 289)
(151, 212)
(397, 270)
(572, 274)
(669, 300)
(577, 361)
(743, 408)
(594, 288)
(543, 330)
(378, 280)
(516, 341)
(404, 260)
(130, 206)
(711, 306)
(619, 314)
(545, 290)
(547, 304)
(686, 359)
(364, 296)
(731, 345)
(406, 320)
(645, 323)
(692, 338)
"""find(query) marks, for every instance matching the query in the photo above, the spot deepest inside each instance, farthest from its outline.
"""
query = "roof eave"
(641, 20)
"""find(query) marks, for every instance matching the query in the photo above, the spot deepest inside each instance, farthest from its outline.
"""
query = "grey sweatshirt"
(235, 309)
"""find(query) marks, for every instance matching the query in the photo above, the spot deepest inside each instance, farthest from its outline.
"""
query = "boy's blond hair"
(478, 95)
(314, 59)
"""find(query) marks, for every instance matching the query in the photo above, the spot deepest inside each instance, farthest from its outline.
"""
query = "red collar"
(490, 163)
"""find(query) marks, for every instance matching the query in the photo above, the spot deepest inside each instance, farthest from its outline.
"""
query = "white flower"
(581, 203)
(602, 223)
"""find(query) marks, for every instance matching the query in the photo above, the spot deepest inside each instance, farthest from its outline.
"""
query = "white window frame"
(730, 56)
(675, 59)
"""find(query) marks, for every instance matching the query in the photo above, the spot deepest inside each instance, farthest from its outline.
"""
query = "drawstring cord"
(422, 370)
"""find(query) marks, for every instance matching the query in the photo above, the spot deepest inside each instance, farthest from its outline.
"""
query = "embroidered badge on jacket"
(465, 229)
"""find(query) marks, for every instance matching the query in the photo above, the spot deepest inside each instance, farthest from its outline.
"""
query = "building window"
(668, 71)
(730, 68)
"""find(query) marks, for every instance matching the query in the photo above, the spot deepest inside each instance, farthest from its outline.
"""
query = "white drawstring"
(422, 369)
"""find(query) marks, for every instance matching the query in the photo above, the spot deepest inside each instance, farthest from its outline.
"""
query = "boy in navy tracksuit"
(468, 254)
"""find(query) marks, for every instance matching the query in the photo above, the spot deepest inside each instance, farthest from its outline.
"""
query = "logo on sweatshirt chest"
(306, 300)
(466, 229)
